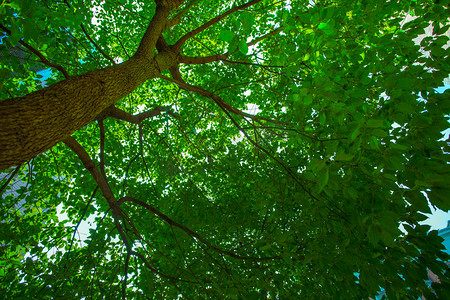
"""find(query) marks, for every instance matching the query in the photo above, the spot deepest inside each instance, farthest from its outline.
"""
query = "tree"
(225, 149)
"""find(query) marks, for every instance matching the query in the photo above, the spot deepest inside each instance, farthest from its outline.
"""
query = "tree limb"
(218, 100)
(175, 20)
(190, 232)
(44, 60)
(99, 49)
(72, 143)
(102, 147)
(218, 57)
(124, 284)
(211, 22)
(117, 113)
(188, 60)
(14, 173)
(227, 108)
(81, 219)
(147, 45)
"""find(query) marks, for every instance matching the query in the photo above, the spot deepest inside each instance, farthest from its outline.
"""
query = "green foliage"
(356, 150)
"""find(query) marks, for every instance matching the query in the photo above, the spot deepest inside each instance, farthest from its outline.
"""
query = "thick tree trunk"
(36, 122)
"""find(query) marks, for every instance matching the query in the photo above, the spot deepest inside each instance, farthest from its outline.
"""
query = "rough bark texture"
(36, 122)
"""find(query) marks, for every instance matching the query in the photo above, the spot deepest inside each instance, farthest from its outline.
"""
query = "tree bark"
(34, 123)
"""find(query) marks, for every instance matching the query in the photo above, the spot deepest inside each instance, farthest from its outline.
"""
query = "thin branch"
(180, 165)
(99, 49)
(85, 49)
(222, 57)
(181, 271)
(121, 44)
(252, 64)
(117, 113)
(227, 108)
(184, 256)
(296, 131)
(175, 20)
(272, 33)
(81, 219)
(188, 60)
(218, 100)
(44, 60)
(190, 232)
(211, 22)
(147, 264)
(124, 284)
(56, 164)
(289, 171)
(10, 178)
(102, 147)
(239, 84)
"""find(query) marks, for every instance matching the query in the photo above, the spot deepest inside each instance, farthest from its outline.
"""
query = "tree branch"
(190, 232)
(272, 33)
(222, 57)
(147, 264)
(72, 143)
(188, 60)
(102, 147)
(44, 60)
(218, 100)
(227, 108)
(124, 284)
(211, 22)
(147, 45)
(99, 49)
(14, 173)
(81, 219)
(175, 20)
(117, 113)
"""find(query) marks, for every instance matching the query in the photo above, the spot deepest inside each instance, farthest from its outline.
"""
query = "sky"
(439, 219)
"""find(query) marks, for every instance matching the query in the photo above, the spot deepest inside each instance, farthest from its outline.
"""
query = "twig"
(99, 49)
(192, 233)
(211, 22)
(10, 178)
(175, 20)
(218, 100)
(102, 147)
(44, 60)
(222, 57)
(117, 113)
(124, 284)
(81, 219)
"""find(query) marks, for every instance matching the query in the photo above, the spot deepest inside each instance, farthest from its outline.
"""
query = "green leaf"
(374, 234)
(307, 100)
(354, 133)
(379, 133)
(326, 28)
(227, 35)
(375, 123)
(342, 156)
(243, 48)
(323, 179)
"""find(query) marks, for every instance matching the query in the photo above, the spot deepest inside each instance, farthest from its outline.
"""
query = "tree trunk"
(36, 122)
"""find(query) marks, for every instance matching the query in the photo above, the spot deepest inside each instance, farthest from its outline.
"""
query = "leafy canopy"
(285, 149)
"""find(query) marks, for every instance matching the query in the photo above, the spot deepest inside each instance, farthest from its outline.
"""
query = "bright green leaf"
(227, 35)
